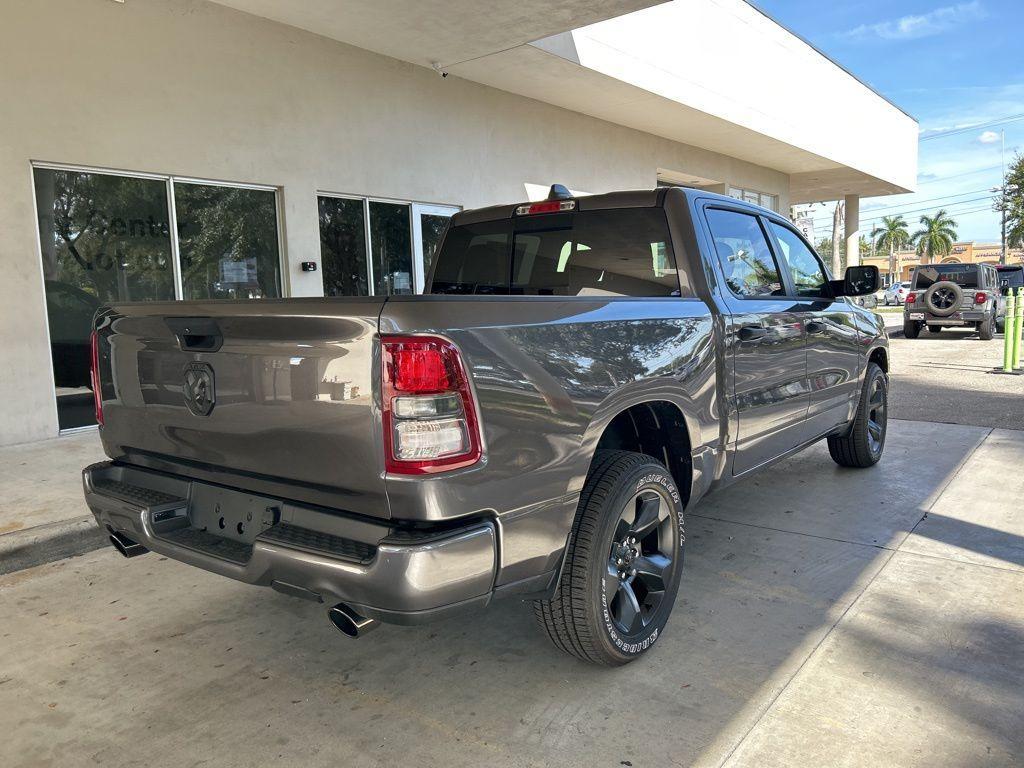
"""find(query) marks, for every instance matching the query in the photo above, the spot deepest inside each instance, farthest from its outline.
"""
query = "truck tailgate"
(273, 396)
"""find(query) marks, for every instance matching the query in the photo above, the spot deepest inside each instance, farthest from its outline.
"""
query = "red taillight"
(94, 373)
(980, 297)
(430, 421)
(548, 206)
(419, 367)
(911, 298)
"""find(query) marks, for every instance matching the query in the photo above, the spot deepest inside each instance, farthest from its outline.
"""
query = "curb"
(48, 543)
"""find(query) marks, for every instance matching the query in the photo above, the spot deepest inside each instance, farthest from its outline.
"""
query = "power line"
(929, 200)
(976, 126)
(916, 210)
(913, 202)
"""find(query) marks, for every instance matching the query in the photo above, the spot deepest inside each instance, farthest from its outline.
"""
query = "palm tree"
(893, 235)
(936, 236)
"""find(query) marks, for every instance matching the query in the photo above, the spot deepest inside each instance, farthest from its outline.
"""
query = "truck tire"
(911, 329)
(622, 564)
(863, 444)
(986, 329)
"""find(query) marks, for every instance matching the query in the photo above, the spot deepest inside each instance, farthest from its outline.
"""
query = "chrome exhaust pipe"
(350, 623)
(126, 546)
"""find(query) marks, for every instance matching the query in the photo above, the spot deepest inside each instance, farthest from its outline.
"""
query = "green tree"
(1011, 202)
(936, 236)
(892, 235)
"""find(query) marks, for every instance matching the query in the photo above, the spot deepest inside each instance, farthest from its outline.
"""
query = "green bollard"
(1008, 327)
(1018, 324)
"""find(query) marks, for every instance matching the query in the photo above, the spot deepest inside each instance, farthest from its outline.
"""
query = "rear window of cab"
(615, 252)
(964, 275)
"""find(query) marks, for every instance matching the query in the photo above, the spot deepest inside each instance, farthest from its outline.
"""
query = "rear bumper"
(304, 552)
(967, 317)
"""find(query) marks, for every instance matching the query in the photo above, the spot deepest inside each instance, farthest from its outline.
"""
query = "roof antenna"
(559, 192)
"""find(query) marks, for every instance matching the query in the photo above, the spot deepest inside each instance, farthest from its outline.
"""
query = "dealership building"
(164, 150)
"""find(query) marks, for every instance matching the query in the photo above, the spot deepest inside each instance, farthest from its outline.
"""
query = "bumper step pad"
(314, 541)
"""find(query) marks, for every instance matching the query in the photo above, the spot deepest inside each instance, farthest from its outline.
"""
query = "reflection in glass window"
(808, 275)
(228, 242)
(749, 267)
(104, 239)
(391, 248)
(343, 246)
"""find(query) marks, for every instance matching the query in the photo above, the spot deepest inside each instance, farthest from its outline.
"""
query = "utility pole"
(1002, 194)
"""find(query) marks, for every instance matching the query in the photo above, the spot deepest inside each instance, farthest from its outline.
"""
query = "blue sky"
(950, 65)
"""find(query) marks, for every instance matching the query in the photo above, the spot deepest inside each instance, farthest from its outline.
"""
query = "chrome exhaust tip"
(350, 623)
(126, 546)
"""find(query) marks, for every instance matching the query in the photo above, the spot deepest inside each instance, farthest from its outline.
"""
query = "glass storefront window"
(343, 246)
(228, 242)
(104, 239)
(391, 248)
(765, 200)
(400, 238)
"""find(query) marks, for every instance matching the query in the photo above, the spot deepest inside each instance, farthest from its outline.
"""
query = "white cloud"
(988, 137)
(912, 27)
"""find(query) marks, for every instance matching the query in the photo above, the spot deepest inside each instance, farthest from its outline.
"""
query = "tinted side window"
(747, 261)
(809, 278)
(474, 260)
(619, 252)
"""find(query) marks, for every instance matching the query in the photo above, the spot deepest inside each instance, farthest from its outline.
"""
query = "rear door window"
(750, 269)
(617, 252)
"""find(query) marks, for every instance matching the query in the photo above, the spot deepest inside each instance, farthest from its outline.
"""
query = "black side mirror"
(858, 281)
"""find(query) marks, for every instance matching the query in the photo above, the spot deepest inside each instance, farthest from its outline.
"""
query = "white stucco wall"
(186, 87)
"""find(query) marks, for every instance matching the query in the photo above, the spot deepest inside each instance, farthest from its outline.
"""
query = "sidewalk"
(43, 516)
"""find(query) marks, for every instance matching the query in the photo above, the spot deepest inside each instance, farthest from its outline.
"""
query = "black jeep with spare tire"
(954, 296)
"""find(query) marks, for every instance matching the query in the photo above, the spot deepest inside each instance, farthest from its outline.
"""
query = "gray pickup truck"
(580, 372)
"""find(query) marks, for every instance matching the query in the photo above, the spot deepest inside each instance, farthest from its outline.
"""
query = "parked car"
(1011, 277)
(896, 293)
(954, 296)
(581, 373)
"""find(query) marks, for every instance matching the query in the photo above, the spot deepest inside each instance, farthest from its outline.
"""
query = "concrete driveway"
(826, 617)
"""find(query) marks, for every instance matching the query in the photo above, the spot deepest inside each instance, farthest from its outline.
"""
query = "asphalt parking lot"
(948, 377)
(826, 617)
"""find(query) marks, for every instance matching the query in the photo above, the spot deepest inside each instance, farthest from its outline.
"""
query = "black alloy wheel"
(640, 562)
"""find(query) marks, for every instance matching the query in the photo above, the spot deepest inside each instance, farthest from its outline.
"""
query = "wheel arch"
(880, 357)
(657, 420)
